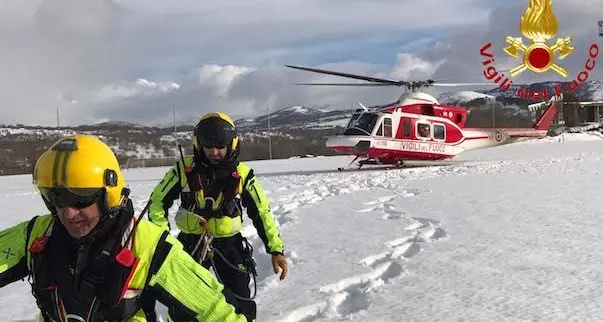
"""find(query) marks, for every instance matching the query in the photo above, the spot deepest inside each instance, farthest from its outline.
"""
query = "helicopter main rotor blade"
(348, 84)
(461, 84)
(360, 77)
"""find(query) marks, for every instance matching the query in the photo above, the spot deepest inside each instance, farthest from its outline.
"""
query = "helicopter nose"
(346, 144)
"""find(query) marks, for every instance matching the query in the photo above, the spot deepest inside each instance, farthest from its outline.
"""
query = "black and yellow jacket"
(153, 266)
(221, 223)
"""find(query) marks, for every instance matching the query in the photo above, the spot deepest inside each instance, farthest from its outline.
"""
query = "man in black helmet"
(213, 187)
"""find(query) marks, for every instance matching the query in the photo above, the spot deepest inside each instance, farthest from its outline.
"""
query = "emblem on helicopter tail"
(538, 25)
(498, 137)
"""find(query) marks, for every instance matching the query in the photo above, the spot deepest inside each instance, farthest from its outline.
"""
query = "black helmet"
(217, 130)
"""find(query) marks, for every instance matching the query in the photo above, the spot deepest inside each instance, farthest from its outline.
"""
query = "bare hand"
(279, 261)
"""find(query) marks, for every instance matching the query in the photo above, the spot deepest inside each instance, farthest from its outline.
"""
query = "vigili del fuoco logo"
(538, 25)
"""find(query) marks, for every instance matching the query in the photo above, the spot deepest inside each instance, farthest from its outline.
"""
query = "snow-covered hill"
(291, 127)
(462, 97)
(591, 90)
(302, 117)
(297, 117)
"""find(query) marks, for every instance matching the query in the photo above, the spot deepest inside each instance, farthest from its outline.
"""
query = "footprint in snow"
(351, 296)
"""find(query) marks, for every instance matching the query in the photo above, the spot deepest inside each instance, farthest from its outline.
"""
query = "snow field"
(503, 234)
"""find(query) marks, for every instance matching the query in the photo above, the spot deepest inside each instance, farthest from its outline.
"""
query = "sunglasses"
(79, 198)
(213, 146)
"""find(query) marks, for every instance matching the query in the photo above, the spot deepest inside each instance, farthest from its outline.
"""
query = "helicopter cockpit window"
(355, 116)
(362, 125)
(423, 130)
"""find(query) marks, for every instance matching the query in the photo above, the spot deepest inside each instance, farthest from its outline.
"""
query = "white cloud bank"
(241, 48)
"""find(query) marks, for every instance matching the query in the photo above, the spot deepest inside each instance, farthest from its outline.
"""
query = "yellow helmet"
(216, 129)
(78, 170)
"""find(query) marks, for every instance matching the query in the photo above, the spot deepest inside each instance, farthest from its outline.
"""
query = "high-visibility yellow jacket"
(159, 269)
(247, 189)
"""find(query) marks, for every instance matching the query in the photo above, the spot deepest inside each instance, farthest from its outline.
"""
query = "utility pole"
(174, 119)
(269, 136)
(58, 123)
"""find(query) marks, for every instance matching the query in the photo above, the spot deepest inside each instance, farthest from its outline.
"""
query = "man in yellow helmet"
(213, 186)
(91, 259)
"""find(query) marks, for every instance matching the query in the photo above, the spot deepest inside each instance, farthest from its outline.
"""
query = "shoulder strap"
(39, 244)
(193, 180)
(96, 274)
(30, 225)
(102, 261)
(230, 191)
(229, 204)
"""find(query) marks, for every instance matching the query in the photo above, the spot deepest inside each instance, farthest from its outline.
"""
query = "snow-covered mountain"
(590, 90)
(462, 97)
(296, 117)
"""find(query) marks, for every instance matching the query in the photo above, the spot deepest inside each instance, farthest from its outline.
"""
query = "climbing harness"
(207, 251)
(203, 249)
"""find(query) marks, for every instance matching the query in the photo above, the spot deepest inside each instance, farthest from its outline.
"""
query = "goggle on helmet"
(215, 130)
(77, 171)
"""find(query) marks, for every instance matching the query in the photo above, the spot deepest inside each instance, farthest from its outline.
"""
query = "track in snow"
(302, 189)
(349, 296)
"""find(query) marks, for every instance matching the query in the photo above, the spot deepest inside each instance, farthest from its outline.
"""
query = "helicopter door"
(387, 127)
(404, 131)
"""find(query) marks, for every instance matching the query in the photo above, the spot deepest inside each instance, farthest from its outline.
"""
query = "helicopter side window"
(387, 127)
(380, 130)
(439, 132)
(423, 130)
(406, 128)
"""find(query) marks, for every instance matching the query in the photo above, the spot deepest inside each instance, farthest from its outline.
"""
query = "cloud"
(52, 47)
(228, 55)
(577, 20)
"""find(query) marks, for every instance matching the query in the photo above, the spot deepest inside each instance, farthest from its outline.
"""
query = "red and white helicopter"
(417, 128)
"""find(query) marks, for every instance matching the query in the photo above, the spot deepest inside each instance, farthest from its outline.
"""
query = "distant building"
(573, 112)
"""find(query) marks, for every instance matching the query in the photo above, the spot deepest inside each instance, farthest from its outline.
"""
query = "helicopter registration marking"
(424, 147)
(381, 143)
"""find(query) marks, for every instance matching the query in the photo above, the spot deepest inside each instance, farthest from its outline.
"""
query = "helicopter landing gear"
(369, 161)
(342, 168)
